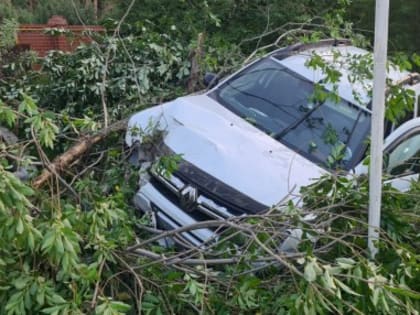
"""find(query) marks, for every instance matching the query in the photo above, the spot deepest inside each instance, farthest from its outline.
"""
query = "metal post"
(378, 113)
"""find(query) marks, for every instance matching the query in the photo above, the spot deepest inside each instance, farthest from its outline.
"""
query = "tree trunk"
(196, 58)
(31, 5)
(95, 10)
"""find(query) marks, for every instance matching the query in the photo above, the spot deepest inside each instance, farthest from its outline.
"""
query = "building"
(55, 35)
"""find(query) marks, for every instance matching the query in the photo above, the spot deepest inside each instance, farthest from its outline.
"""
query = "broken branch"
(61, 162)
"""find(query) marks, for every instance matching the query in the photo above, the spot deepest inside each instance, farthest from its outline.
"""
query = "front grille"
(173, 198)
(217, 191)
(203, 207)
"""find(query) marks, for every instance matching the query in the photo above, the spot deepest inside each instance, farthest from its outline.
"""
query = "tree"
(76, 245)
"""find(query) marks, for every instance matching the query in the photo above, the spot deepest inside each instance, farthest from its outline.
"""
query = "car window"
(404, 159)
(277, 100)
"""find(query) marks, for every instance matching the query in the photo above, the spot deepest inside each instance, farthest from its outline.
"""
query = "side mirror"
(210, 79)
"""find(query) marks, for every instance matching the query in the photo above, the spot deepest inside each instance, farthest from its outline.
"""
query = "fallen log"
(61, 162)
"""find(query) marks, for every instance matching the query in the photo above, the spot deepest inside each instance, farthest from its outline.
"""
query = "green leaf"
(53, 310)
(40, 297)
(48, 241)
(120, 306)
(59, 246)
(346, 288)
(28, 106)
(57, 299)
(310, 273)
(404, 292)
(345, 263)
(21, 282)
(7, 115)
(329, 281)
(19, 226)
(31, 241)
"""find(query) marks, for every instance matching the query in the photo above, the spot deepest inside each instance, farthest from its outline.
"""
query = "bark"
(31, 5)
(64, 160)
(196, 59)
(95, 9)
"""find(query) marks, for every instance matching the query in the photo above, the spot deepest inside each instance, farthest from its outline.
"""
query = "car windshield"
(280, 102)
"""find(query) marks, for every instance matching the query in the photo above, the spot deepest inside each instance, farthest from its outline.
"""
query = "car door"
(402, 155)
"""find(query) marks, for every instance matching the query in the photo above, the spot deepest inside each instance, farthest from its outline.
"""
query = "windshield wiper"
(350, 135)
(275, 105)
(286, 130)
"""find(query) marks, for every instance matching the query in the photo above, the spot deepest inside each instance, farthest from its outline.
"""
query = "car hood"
(230, 149)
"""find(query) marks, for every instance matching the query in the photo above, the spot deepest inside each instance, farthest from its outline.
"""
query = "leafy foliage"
(38, 12)
(64, 247)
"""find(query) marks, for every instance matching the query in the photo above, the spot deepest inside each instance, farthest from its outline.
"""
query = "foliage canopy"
(65, 248)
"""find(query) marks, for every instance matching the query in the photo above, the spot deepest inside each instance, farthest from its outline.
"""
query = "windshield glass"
(280, 102)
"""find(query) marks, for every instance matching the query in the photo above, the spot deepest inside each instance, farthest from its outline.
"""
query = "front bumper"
(168, 215)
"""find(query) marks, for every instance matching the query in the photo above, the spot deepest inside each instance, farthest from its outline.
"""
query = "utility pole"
(378, 116)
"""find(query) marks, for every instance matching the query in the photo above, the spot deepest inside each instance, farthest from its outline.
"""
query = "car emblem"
(188, 198)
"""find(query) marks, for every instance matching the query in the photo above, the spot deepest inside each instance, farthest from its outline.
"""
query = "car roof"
(338, 57)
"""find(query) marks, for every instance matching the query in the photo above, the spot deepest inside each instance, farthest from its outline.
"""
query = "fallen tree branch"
(231, 222)
(167, 261)
(61, 162)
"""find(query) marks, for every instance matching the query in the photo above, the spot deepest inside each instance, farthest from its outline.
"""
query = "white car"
(256, 137)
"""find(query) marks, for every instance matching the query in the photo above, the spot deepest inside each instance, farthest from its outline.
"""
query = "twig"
(96, 292)
(136, 277)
